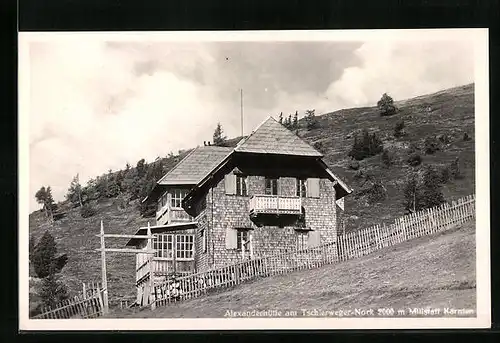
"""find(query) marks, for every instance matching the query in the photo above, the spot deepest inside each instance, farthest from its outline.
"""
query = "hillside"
(430, 272)
(449, 112)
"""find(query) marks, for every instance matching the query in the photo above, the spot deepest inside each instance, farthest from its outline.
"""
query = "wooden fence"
(422, 223)
(348, 246)
(89, 304)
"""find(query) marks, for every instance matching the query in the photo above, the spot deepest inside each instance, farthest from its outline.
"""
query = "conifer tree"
(75, 191)
(295, 124)
(219, 139)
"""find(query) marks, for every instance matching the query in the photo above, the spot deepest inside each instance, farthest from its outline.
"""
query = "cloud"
(97, 104)
(403, 69)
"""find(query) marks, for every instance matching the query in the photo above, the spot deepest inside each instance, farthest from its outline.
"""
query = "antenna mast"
(241, 97)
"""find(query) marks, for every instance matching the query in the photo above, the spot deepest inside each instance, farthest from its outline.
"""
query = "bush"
(359, 174)
(444, 138)
(423, 192)
(399, 129)
(311, 120)
(365, 146)
(413, 148)
(386, 105)
(52, 291)
(44, 258)
(353, 165)
(455, 170)
(377, 192)
(411, 194)
(445, 174)
(320, 146)
(431, 145)
(431, 194)
(466, 137)
(414, 159)
(387, 158)
(87, 211)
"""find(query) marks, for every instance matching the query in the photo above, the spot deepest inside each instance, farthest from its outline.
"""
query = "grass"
(75, 236)
(452, 113)
(430, 272)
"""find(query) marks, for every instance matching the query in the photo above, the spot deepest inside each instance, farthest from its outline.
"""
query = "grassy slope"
(76, 237)
(433, 272)
(452, 113)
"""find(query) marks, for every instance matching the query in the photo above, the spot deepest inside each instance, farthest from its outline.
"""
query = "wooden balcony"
(275, 204)
(167, 215)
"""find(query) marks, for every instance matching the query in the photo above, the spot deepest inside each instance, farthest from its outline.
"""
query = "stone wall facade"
(225, 212)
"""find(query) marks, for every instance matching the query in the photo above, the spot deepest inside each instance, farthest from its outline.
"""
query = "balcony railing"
(167, 215)
(275, 204)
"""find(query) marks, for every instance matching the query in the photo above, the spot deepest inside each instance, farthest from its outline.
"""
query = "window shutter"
(340, 203)
(313, 239)
(313, 188)
(231, 237)
(230, 183)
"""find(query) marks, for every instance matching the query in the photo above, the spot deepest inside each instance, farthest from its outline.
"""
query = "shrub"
(320, 146)
(445, 174)
(413, 148)
(411, 194)
(431, 145)
(44, 258)
(387, 158)
(399, 129)
(52, 291)
(444, 138)
(353, 164)
(377, 192)
(414, 159)
(423, 192)
(455, 170)
(386, 105)
(431, 194)
(311, 120)
(359, 174)
(466, 137)
(365, 146)
(87, 211)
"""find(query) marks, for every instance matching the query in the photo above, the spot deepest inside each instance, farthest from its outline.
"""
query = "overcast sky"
(96, 105)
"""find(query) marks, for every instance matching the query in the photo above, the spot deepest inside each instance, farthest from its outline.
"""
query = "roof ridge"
(177, 165)
(290, 140)
(243, 141)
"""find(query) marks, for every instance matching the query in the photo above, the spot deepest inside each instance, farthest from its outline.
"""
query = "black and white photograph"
(246, 180)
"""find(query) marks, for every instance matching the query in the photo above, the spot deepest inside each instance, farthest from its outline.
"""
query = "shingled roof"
(272, 137)
(197, 164)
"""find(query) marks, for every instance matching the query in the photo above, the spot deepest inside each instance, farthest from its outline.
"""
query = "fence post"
(103, 268)
(152, 293)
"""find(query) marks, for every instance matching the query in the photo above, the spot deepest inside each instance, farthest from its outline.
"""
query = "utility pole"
(241, 105)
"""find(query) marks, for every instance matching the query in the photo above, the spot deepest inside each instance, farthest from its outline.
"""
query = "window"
(302, 238)
(177, 196)
(300, 185)
(241, 185)
(203, 238)
(271, 186)
(242, 240)
(164, 246)
(184, 246)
